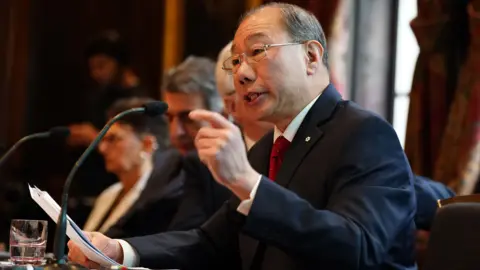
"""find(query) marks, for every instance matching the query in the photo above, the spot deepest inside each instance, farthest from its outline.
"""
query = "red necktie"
(276, 156)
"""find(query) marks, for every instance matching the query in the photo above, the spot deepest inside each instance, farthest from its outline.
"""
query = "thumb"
(89, 235)
(99, 240)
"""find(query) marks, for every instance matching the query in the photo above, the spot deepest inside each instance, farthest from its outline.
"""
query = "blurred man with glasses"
(187, 87)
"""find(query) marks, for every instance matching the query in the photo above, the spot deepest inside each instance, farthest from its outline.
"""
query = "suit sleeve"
(214, 244)
(428, 192)
(371, 205)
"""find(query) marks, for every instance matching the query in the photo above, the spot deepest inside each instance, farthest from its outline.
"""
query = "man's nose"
(245, 73)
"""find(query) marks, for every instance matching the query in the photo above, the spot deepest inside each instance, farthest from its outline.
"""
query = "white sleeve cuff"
(245, 205)
(130, 256)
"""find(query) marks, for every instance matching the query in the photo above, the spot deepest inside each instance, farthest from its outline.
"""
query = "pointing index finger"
(216, 120)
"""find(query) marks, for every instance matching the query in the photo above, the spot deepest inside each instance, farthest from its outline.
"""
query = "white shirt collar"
(292, 128)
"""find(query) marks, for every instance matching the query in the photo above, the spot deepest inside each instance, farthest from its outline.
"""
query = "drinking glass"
(28, 241)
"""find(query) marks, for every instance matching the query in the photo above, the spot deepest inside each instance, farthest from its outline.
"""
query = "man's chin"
(263, 124)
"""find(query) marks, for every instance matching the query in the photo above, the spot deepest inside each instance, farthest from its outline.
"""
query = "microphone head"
(155, 108)
(59, 132)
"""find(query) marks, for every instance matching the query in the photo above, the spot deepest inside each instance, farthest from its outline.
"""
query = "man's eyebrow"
(256, 35)
(250, 37)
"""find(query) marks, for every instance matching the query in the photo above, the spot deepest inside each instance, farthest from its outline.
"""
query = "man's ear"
(314, 53)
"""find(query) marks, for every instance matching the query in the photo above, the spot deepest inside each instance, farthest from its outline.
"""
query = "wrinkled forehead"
(264, 26)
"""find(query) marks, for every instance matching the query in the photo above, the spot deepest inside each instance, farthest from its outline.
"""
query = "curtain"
(458, 161)
(442, 113)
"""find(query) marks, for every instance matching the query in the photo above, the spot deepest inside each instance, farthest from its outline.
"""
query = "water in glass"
(28, 241)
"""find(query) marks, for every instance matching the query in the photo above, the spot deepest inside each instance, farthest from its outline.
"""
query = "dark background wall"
(215, 19)
(60, 30)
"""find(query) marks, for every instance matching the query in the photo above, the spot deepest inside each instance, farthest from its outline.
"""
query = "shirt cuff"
(245, 205)
(130, 256)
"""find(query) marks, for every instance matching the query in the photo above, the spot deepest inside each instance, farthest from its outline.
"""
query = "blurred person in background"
(108, 60)
(150, 186)
(190, 86)
(187, 87)
(109, 67)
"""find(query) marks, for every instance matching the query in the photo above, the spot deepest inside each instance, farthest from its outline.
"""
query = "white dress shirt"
(104, 203)
(130, 257)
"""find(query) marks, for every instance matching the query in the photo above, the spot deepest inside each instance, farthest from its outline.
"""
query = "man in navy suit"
(329, 188)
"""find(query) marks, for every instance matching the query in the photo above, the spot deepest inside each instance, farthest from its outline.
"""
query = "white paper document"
(48, 204)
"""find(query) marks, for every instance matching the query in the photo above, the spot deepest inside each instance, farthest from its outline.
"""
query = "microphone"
(151, 109)
(56, 132)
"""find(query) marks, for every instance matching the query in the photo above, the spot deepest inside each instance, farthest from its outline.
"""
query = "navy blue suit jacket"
(428, 193)
(344, 199)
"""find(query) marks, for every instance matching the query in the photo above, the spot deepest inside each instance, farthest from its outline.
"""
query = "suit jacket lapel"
(259, 156)
(308, 134)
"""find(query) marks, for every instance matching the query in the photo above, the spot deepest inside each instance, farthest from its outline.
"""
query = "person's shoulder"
(169, 154)
(356, 116)
(358, 113)
(167, 162)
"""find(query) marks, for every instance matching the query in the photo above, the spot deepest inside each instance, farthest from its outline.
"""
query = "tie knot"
(280, 146)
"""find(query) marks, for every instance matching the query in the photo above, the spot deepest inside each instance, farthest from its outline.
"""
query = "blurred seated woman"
(136, 150)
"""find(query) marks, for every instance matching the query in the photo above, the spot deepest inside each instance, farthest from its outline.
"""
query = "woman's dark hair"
(141, 123)
(109, 43)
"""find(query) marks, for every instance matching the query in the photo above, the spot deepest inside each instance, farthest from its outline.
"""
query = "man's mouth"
(252, 96)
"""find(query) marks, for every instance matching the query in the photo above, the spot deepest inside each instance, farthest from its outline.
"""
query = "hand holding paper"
(110, 247)
(46, 202)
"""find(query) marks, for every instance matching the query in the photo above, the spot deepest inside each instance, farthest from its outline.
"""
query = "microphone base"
(63, 266)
